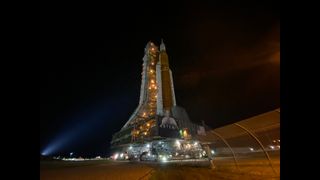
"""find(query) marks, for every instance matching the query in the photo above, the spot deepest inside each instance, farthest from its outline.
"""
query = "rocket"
(157, 95)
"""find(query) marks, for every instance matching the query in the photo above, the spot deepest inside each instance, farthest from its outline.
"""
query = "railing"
(249, 147)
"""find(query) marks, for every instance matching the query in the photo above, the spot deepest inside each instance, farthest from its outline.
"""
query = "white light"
(188, 146)
(251, 149)
(196, 143)
(121, 155)
(164, 158)
(130, 147)
(272, 147)
(212, 151)
(177, 142)
(278, 146)
(148, 145)
(116, 156)
(278, 140)
(203, 152)
(149, 154)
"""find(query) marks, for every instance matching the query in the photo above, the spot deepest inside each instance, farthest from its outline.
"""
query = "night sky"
(225, 60)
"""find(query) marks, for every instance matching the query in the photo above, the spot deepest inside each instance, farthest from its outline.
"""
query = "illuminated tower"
(148, 92)
(157, 115)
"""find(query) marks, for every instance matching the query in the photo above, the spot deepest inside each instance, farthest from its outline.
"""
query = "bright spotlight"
(164, 159)
(188, 146)
(116, 156)
(177, 142)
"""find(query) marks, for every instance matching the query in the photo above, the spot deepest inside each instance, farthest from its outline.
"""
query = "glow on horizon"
(78, 126)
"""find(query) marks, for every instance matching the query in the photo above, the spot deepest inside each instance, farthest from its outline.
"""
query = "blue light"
(86, 121)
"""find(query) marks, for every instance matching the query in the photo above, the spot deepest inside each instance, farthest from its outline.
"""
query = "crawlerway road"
(94, 170)
(106, 169)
